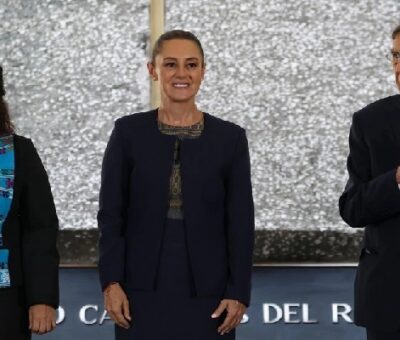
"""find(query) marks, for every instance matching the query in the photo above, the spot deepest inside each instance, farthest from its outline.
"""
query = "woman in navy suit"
(28, 233)
(176, 213)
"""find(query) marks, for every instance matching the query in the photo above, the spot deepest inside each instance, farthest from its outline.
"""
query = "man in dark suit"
(371, 200)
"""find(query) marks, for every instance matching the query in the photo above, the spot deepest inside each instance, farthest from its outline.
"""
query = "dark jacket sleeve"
(39, 237)
(240, 224)
(366, 200)
(112, 210)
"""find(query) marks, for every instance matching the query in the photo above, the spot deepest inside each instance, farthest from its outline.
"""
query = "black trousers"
(13, 315)
(377, 335)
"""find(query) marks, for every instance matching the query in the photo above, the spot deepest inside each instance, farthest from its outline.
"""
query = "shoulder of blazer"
(22, 140)
(21, 146)
(138, 120)
(221, 123)
(376, 111)
(220, 128)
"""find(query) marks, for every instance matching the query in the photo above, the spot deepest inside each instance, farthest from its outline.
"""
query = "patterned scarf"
(7, 165)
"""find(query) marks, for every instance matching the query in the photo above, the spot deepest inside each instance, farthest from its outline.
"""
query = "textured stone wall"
(71, 68)
(291, 72)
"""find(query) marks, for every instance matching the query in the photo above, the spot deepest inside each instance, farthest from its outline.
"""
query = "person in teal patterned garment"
(29, 292)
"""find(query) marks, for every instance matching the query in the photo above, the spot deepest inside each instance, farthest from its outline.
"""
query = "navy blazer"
(30, 229)
(371, 200)
(217, 198)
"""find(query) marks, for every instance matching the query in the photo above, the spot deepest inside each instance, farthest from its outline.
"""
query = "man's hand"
(42, 319)
(235, 311)
(117, 305)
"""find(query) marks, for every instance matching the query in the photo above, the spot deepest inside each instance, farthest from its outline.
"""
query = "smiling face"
(179, 69)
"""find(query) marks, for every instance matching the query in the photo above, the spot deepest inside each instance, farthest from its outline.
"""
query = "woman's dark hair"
(6, 127)
(395, 32)
(171, 35)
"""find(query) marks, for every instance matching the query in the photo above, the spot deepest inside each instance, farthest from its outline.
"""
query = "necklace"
(165, 118)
